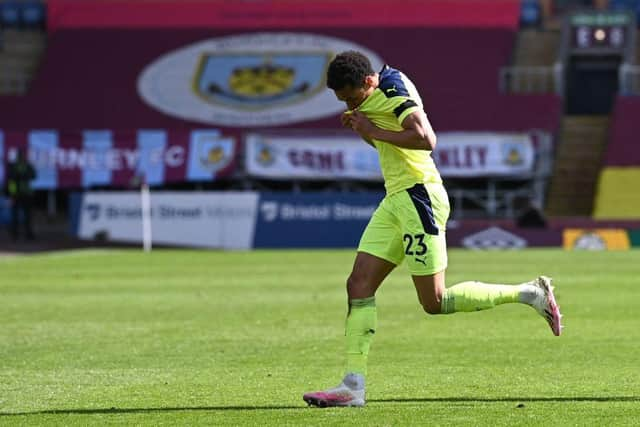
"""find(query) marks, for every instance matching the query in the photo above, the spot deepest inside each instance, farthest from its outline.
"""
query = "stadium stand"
(618, 196)
(22, 43)
(577, 164)
(77, 82)
(78, 87)
(22, 14)
(83, 80)
(19, 59)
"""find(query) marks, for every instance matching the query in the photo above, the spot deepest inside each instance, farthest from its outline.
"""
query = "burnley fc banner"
(304, 156)
(104, 158)
(484, 154)
(290, 155)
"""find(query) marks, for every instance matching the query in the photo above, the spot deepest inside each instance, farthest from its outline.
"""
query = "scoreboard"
(601, 32)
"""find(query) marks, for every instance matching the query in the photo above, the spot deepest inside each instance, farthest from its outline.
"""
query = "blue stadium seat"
(632, 5)
(622, 4)
(530, 13)
(32, 14)
(10, 14)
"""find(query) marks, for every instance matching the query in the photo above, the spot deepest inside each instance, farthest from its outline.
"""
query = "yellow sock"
(475, 296)
(359, 329)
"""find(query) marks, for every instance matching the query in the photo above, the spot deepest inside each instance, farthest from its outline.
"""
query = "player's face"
(352, 96)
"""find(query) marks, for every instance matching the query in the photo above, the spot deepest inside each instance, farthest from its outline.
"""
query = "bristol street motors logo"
(269, 211)
(247, 80)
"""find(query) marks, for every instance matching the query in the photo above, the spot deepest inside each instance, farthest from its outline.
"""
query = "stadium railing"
(505, 197)
(532, 79)
(629, 79)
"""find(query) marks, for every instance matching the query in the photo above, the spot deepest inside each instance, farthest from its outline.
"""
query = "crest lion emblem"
(256, 81)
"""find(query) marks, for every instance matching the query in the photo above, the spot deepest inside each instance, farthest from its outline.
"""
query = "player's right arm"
(345, 118)
(416, 133)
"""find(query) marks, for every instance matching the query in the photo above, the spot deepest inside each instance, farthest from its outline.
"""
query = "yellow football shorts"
(410, 225)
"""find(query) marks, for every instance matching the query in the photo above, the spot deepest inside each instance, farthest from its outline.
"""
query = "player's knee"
(433, 304)
(431, 308)
(355, 282)
(358, 287)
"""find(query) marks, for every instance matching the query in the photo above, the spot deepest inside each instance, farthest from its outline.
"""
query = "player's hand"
(362, 125)
(345, 118)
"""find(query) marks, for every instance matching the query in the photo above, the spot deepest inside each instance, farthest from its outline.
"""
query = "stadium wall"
(247, 220)
(280, 14)
(92, 79)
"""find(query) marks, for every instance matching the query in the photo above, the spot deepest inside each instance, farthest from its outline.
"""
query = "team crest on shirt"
(255, 81)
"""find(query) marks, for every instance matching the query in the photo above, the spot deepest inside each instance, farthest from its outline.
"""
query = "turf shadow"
(80, 411)
(510, 399)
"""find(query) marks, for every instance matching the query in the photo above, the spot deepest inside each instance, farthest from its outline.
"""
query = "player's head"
(351, 76)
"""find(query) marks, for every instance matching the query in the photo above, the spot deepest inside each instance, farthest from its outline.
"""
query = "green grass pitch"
(234, 338)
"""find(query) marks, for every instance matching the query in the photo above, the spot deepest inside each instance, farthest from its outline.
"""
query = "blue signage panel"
(313, 220)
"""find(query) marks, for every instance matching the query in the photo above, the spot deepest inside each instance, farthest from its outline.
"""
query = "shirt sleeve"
(402, 106)
(407, 107)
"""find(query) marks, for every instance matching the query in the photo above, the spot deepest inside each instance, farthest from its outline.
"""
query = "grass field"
(215, 338)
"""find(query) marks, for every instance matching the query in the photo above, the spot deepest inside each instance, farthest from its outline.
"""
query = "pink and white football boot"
(350, 392)
(545, 304)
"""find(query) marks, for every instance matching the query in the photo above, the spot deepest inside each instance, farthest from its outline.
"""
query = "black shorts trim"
(422, 202)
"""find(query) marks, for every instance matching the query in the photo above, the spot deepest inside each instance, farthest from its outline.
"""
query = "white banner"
(311, 157)
(458, 154)
(475, 154)
(213, 220)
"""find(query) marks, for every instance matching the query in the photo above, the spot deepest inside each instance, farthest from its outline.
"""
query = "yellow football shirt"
(390, 103)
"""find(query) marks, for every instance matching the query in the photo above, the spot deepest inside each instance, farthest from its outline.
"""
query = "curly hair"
(348, 69)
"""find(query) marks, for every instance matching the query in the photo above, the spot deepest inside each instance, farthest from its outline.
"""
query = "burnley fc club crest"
(255, 81)
(247, 80)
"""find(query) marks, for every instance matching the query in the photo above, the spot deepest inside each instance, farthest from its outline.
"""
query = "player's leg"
(435, 298)
(368, 273)
(424, 214)
(27, 213)
(15, 211)
(476, 296)
(380, 250)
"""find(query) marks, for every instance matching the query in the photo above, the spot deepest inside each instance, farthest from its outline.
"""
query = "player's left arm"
(416, 133)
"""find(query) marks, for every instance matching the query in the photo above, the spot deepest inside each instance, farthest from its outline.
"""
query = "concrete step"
(577, 164)
(20, 57)
(536, 47)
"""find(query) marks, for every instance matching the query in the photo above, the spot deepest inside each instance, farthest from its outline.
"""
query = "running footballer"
(384, 108)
